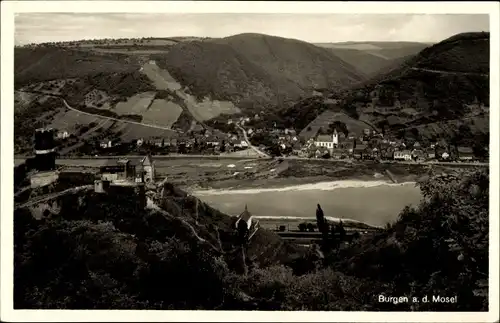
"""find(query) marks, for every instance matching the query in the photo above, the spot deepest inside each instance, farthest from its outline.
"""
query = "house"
(337, 153)
(62, 134)
(189, 142)
(445, 156)
(431, 153)
(114, 170)
(349, 146)
(213, 141)
(246, 217)
(465, 153)
(321, 152)
(441, 151)
(106, 143)
(402, 155)
(140, 142)
(359, 151)
(418, 154)
(148, 167)
(375, 153)
(159, 142)
(240, 143)
(387, 153)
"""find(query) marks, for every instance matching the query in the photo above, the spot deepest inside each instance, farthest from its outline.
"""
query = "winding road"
(119, 120)
(263, 154)
(101, 116)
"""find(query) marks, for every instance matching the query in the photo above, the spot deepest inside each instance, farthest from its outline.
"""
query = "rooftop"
(465, 150)
(324, 138)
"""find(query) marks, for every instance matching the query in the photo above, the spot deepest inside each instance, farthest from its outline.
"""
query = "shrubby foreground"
(108, 254)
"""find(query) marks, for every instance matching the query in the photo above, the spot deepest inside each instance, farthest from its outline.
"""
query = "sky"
(316, 28)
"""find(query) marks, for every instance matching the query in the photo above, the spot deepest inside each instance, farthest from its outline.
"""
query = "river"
(373, 203)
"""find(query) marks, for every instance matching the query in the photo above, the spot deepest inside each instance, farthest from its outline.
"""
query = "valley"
(251, 172)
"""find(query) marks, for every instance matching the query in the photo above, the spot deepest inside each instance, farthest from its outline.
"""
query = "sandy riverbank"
(321, 186)
(374, 202)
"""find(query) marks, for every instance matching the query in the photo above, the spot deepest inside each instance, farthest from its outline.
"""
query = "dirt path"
(118, 120)
(105, 117)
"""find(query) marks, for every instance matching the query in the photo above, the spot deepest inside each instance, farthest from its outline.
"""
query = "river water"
(374, 203)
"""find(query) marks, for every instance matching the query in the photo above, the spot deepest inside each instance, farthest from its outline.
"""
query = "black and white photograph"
(232, 160)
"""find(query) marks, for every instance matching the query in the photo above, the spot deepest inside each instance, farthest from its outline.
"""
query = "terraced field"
(201, 111)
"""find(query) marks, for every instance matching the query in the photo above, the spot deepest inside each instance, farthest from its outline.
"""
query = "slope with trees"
(254, 68)
(99, 253)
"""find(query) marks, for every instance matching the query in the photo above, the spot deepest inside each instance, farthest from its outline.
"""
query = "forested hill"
(257, 69)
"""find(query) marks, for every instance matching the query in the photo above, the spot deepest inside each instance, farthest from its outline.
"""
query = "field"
(201, 111)
(69, 120)
(162, 112)
(209, 109)
(160, 78)
(137, 104)
(130, 132)
(328, 117)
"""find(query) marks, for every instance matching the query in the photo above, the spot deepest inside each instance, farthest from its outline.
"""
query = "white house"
(106, 144)
(62, 135)
(139, 142)
(402, 155)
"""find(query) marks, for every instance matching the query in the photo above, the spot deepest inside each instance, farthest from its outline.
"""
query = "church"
(327, 141)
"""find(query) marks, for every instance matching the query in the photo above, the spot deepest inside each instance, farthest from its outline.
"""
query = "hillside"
(438, 93)
(256, 69)
(372, 58)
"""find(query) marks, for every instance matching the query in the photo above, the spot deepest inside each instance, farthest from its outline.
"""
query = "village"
(334, 143)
